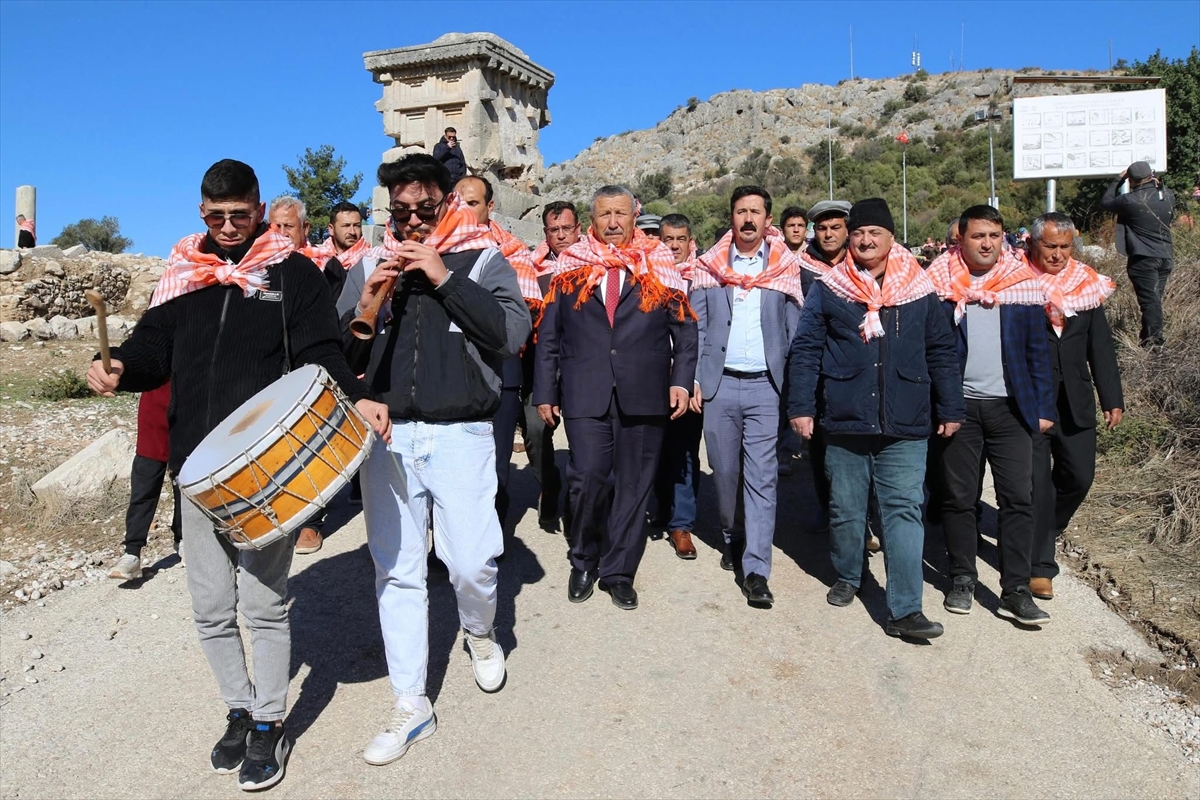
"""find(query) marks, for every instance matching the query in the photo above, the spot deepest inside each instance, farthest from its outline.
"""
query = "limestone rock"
(52, 267)
(63, 328)
(86, 327)
(13, 332)
(10, 261)
(91, 471)
(46, 251)
(76, 250)
(39, 329)
(117, 328)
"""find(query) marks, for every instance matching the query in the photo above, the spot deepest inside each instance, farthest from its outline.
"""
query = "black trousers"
(993, 427)
(539, 446)
(816, 455)
(1149, 279)
(678, 466)
(611, 471)
(504, 425)
(145, 486)
(1064, 467)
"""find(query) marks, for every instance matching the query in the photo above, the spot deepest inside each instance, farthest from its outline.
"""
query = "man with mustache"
(874, 330)
(616, 350)
(1082, 354)
(994, 302)
(747, 297)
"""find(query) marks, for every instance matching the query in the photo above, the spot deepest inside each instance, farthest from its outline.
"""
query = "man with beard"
(746, 295)
(994, 302)
(675, 487)
(477, 193)
(1082, 354)
(873, 327)
(456, 313)
(616, 351)
(235, 309)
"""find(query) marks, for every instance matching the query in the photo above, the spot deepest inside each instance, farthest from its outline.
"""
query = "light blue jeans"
(451, 469)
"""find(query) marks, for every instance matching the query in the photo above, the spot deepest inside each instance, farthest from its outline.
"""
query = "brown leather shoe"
(682, 542)
(1041, 588)
(309, 541)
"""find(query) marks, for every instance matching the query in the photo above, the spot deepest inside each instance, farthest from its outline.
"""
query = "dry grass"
(1160, 436)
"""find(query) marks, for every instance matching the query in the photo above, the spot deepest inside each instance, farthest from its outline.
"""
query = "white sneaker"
(487, 661)
(408, 724)
(127, 568)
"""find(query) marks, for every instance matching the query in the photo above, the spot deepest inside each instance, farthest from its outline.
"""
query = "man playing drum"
(235, 305)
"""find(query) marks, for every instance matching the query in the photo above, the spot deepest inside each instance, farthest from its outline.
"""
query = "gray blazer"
(714, 309)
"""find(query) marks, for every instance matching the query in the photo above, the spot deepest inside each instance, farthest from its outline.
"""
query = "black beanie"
(873, 211)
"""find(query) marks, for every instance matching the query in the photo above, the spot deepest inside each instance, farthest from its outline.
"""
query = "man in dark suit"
(1081, 354)
(994, 302)
(616, 354)
(747, 296)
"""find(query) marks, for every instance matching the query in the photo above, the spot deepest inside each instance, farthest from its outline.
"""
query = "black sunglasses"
(240, 219)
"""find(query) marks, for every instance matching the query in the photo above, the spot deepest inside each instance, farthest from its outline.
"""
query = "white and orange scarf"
(320, 254)
(808, 262)
(518, 255)
(457, 231)
(649, 262)
(781, 272)
(1011, 281)
(903, 282)
(189, 268)
(688, 268)
(1076, 288)
(542, 262)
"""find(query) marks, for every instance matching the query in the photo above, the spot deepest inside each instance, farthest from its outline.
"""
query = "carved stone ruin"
(26, 206)
(490, 92)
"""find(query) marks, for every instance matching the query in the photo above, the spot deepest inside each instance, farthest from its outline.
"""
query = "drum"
(278, 459)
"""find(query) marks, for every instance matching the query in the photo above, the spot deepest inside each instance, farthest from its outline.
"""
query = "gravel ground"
(692, 695)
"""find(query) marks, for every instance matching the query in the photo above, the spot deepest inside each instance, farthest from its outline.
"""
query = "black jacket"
(1082, 356)
(880, 387)
(807, 276)
(439, 358)
(1143, 219)
(219, 348)
(452, 158)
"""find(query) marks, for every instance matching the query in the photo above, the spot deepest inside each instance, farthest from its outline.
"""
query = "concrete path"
(693, 695)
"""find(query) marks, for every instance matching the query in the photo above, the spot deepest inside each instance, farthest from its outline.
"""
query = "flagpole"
(904, 180)
(829, 124)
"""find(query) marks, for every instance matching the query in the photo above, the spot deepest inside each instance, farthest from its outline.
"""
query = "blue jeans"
(448, 469)
(897, 469)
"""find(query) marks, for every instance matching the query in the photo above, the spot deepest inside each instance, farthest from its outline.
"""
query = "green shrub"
(916, 93)
(66, 385)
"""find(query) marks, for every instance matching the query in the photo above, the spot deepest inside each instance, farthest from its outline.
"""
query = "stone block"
(86, 327)
(46, 251)
(10, 261)
(91, 471)
(52, 267)
(76, 250)
(63, 328)
(117, 328)
(39, 328)
(13, 331)
(8, 307)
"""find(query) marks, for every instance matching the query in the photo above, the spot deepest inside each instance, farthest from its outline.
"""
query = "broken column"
(27, 207)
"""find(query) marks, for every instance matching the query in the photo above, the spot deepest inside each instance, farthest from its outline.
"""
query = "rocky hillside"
(704, 140)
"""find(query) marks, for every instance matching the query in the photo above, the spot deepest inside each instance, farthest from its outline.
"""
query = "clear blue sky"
(117, 108)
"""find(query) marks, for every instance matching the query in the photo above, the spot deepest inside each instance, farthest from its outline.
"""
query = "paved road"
(693, 695)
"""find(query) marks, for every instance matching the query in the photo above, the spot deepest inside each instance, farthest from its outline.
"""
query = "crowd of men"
(899, 379)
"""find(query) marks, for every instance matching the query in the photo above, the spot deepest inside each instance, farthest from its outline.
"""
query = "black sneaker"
(1018, 605)
(961, 596)
(266, 757)
(228, 753)
(914, 626)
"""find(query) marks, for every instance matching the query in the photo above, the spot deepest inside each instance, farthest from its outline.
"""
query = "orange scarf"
(903, 282)
(781, 272)
(688, 268)
(542, 261)
(1010, 281)
(326, 250)
(817, 265)
(457, 231)
(649, 262)
(1076, 288)
(189, 268)
(517, 254)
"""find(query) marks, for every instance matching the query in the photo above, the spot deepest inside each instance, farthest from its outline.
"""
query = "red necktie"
(612, 293)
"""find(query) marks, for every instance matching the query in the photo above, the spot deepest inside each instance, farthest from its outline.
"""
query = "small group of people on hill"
(898, 380)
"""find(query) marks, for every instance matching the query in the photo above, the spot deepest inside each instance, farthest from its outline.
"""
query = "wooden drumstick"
(96, 301)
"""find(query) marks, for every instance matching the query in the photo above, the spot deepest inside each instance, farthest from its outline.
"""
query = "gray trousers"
(220, 577)
(741, 430)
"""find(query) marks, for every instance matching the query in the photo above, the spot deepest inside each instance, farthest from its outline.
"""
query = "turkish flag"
(903, 137)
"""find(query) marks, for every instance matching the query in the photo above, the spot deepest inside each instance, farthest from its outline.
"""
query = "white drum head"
(238, 432)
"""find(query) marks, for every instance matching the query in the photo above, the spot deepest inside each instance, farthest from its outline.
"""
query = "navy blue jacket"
(876, 387)
(1026, 353)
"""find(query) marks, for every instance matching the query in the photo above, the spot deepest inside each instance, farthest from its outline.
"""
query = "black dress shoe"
(756, 591)
(623, 595)
(914, 626)
(841, 594)
(731, 554)
(580, 585)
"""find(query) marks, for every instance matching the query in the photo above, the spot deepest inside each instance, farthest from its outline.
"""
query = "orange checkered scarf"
(815, 264)
(27, 225)
(1010, 281)
(457, 231)
(650, 264)
(688, 268)
(903, 282)
(326, 250)
(518, 255)
(189, 268)
(1076, 288)
(542, 262)
(781, 273)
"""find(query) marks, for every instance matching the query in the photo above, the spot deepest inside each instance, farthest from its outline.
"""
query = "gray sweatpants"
(219, 576)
